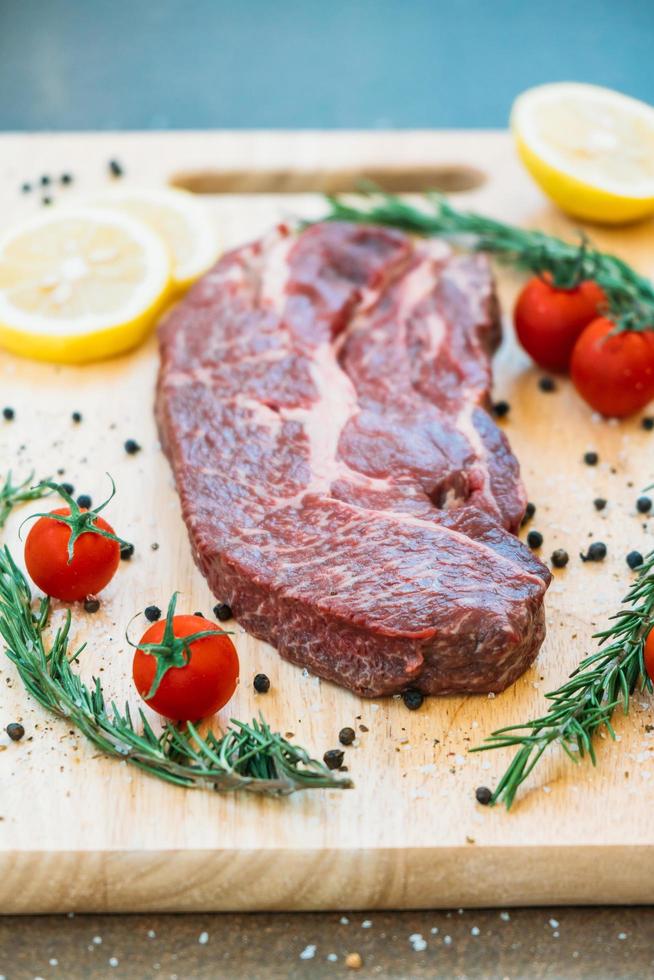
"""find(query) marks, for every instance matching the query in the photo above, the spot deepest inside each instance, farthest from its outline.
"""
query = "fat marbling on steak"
(322, 399)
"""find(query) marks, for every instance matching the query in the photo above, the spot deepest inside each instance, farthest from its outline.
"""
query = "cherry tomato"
(548, 320)
(649, 655)
(197, 688)
(614, 374)
(93, 565)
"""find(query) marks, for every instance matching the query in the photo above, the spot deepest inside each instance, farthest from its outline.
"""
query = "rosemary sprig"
(630, 295)
(603, 681)
(12, 494)
(247, 757)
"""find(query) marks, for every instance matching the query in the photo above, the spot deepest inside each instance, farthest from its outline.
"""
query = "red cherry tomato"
(614, 374)
(649, 655)
(548, 320)
(94, 563)
(198, 688)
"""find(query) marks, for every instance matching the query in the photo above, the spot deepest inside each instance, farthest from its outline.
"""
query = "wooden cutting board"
(80, 832)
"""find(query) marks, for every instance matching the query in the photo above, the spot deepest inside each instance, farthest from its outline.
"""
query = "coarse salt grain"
(332, 957)
(475, 931)
(505, 917)
(97, 940)
(203, 938)
(308, 952)
(113, 961)
(151, 934)
(366, 924)
(344, 921)
(554, 923)
(417, 942)
(622, 935)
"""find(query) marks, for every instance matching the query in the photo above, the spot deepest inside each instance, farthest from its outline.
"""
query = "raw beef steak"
(323, 402)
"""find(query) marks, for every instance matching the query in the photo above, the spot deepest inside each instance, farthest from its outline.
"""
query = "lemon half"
(589, 148)
(179, 218)
(80, 284)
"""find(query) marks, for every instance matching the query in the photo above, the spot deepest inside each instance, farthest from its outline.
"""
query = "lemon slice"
(591, 149)
(179, 218)
(81, 284)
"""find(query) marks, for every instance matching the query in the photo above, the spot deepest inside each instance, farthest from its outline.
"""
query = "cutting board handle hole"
(447, 178)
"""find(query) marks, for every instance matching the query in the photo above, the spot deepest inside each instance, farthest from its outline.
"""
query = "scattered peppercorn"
(8, 413)
(115, 168)
(155, 546)
(591, 459)
(412, 698)
(534, 539)
(333, 758)
(644, 505)
(91, 604)
(634, 559)
(596, 552)
(84, 501)
(46, 201)
(76, 417)
(648, 423)
(66, 178)
(530, 510)
(500, 409)
(68, 487)
(222, 611)
(132, 447)
(560, 558)
(547, 384)
(26, 188)
(346, 736)
(261, 683)
(15, 731)
(126, 551)
(599, 503)
(44, 180)
(152, 613)
(483, 795)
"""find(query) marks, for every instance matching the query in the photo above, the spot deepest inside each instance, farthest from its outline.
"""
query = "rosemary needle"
(18, 493)
(585, 703)
(248, 757)
(630, 296)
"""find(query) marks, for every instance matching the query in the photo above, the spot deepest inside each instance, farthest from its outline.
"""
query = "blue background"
(141, 64)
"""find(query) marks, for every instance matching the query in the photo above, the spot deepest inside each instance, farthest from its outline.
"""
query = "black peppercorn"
(8, 413)
(68, 487)
(126, 551)
(412, 698)
(591, 459)
(46, 201)
(261, 683)
(648, 423)
(222, 611)
(26, 188)
(530, 510)
(634, 559)
(91, 604)
(152, 613)
(483, 795)
(500, 409)
(599, 503)
(346, 736)
(644, 505)
(596, 552)
(131, 447)
(534, 539)
(15, 731)
(76, 417)
(547, 384)
(333, 758)
(44, 180)
(115, 168)
(84, 501)
(66, 178)
(560, 558)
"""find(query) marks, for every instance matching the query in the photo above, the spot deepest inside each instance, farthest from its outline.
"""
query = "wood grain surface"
(82, 832)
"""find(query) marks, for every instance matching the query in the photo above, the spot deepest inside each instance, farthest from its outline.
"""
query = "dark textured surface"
(116, 64)
(534, 943)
